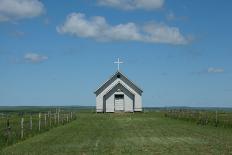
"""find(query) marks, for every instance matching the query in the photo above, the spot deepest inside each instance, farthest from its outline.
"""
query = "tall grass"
(11, 124)
(214, 118)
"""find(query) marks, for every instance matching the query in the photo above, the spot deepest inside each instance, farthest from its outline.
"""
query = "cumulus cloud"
(215, 70)
(161, 33)
(77, 24)
(11, 10)
(133, 4)
(34, 58)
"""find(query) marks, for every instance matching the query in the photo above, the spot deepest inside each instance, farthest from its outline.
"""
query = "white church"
(118, 94)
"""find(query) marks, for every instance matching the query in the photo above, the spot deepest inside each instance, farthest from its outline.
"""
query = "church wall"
(110, 99)
(99, 97)
(137, 97)
(138, 103)
(128, 103)
(99, 103)
(110, 103)
(129, 99)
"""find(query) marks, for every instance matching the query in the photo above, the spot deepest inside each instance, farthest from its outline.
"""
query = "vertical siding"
(99, 104)
(129, 99)
(138, 103)
(110, 104)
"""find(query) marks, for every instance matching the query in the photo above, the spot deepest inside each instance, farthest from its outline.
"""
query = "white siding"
(128, 103)
(131, 99)
(127, 106)
(99, 104)
(118, 104)
(138, 103)
(110, 104)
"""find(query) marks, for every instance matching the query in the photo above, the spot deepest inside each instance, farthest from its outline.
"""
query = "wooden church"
(118, 94)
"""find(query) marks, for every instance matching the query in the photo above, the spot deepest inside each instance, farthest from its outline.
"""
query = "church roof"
(112, 78)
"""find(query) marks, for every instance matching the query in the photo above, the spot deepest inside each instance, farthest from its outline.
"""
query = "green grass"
(139, 133)
(214, 118)
(12, 134)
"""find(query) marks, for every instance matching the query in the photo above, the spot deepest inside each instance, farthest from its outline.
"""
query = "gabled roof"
(118, 84)
(115, 76)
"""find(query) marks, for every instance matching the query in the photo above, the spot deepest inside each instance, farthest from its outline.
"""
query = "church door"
(119, 102)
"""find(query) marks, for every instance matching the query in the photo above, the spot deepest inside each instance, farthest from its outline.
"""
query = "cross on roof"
(118, 62)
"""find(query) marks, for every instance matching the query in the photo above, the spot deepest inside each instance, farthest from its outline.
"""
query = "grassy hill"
(139, 133)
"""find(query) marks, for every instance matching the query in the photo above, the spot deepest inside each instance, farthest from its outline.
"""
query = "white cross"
(118, 62)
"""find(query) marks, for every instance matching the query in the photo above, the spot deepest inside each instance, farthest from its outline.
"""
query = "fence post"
(45, 120)
(71, 116)
(62, 120)
(39, 121)
(22, 120)
(50, 119)
(8, 130)
(67, 118)
(30, 122)
(8, 123)
(55, 118)
(216, 118)
(58, 119)
(206, 120)
(199, 119)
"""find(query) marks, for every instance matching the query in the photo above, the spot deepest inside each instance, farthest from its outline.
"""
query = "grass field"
(139, 133)
(214, 118)
(17, 124)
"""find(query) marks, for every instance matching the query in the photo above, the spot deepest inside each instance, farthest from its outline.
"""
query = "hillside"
(140, 133)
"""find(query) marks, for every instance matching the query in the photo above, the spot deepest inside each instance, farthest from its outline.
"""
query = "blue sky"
(58, 52)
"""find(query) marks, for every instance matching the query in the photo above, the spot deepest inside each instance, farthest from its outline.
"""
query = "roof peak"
(115, 74)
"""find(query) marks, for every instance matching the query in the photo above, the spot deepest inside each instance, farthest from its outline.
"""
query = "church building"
(118, 94)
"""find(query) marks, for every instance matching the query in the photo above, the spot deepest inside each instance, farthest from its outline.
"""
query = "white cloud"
(215, 70)
(97, 28)
(161, 33)
(34, 58)
(133, 4)
(211, 70)
(18, 9)
(170, 16)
